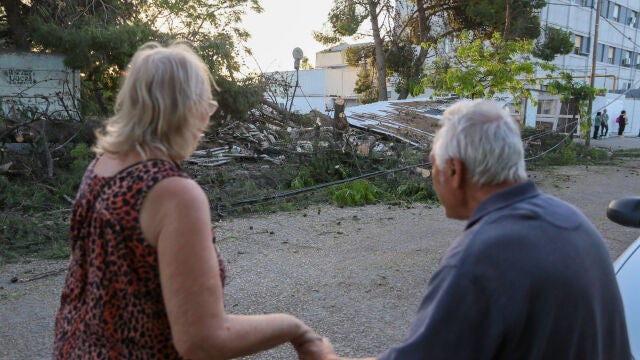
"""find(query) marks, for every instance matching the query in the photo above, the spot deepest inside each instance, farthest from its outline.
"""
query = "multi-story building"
(617, 57)
(618, 49)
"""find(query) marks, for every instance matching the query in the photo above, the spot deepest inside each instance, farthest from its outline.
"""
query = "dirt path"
(354, 274)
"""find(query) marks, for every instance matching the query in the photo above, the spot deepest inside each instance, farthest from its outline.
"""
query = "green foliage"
(487, 16)
(100, 53)
(303, 179)
(402, 61)
(553, 42)
(39, 236)
(82, 156)
(33, 220)
(29, 198)
(594, 155)
(324, 166)
(99, 39)
(567, 153)
(417, 191)
(305, 64)
(356, 193)
(490, 67)
(577, 92)
(437, 79)
(358, 55)
(570, 89)
(629, 153)
(238, 98)
(564, 155)
(365, 87)
(346, 16)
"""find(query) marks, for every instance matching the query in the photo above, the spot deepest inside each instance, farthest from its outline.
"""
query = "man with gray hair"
(530, 277)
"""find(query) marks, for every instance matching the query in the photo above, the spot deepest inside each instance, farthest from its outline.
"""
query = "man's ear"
(457, 172)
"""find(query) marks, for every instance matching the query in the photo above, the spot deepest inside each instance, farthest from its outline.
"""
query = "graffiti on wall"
(20, 76)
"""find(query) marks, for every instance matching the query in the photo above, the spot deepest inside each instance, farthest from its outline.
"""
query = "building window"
(581, 44)
(544, 106)
(577, 47)
(586, 3)
(626, 58)
(616, 12)
(633, 18)
(611, 54)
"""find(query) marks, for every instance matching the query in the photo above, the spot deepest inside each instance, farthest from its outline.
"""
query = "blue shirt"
(530, 278)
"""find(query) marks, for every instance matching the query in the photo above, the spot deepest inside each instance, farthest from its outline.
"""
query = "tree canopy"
(99, 37)
(404, 43)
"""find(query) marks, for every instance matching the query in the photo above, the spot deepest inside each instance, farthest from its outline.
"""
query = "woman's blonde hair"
(162, 89)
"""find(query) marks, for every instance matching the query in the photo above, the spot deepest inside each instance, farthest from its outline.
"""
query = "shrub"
(356, 193)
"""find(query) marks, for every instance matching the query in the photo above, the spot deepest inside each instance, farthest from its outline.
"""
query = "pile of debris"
(261, 136)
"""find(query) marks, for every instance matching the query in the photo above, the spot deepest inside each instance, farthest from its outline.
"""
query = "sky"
(281, 27)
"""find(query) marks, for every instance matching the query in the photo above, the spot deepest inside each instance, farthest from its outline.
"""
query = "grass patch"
(41, 236)
(627, 153)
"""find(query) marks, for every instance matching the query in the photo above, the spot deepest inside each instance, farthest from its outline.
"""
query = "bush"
(356, 193)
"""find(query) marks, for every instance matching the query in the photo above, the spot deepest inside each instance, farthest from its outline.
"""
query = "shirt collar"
(503, 198)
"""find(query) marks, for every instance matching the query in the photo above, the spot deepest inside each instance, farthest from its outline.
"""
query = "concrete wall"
(37, 80)
(326, 59)
(310, 93)
(341, 82)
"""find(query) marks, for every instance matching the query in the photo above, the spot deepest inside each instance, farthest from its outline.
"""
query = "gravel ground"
(355, 275)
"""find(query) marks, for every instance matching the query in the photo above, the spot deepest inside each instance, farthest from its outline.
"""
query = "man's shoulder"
(539, 209)
(521, 225)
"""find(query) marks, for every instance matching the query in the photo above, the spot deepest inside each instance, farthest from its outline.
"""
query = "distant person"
(604, 124)
(145, 278)
(622, 122)
(530, 277)
(596, 125)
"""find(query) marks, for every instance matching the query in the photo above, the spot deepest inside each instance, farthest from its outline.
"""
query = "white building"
(318, 88)
(618, 58)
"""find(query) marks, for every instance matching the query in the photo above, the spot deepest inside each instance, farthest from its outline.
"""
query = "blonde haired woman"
(145, 278)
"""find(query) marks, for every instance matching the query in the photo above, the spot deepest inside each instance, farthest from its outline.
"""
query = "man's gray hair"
(485, 138)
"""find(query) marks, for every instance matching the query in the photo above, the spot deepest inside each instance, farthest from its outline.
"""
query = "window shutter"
(602, 52)
(617, 58)
(610, 11)
(586, 45)
(604, 9)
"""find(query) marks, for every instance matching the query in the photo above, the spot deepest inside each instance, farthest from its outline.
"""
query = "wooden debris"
(41, 275)
(4, 168)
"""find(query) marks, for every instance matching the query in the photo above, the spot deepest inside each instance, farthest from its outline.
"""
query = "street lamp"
(297, 56)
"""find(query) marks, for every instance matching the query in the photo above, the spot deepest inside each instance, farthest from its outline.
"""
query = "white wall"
(615, 103)
(329, 58)
(32, 79)
(341, 82)
(311, 92)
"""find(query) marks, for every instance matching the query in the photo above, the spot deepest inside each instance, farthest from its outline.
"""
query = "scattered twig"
(43, 275)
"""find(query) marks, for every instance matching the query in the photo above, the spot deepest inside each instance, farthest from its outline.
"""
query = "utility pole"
(593, 69)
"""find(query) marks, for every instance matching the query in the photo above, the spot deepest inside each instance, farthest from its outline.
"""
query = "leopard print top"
(112, 306)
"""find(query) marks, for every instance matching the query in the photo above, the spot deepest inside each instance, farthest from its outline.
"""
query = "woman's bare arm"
(175, 218)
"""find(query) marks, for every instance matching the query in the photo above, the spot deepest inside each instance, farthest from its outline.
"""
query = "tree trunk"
(16, 13)
(404, 93)
(507, 20)
(97, 92)
(381, 64)
(417, 64)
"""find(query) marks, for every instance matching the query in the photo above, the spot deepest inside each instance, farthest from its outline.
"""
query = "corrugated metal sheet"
(412, 121)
